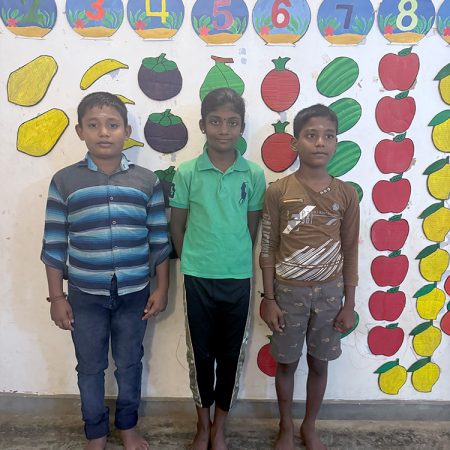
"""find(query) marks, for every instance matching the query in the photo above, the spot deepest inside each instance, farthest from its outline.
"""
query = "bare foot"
(311, 438)
(218, 439)
(201, 438)
(285, 438)
(132, 440)
(96, 444)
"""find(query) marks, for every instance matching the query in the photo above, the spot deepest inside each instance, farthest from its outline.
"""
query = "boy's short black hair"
(100, 99)
(306, 114)
(223, 96)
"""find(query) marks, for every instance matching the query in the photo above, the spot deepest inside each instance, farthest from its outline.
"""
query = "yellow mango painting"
(28, 85)
(424, 374)
(441, 131)
(444, 83)
(391, 377)
(38, 136)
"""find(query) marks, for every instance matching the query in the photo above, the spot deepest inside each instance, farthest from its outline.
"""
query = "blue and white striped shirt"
(98, 225)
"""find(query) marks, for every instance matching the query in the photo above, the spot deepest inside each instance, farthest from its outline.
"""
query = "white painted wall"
(37, 357)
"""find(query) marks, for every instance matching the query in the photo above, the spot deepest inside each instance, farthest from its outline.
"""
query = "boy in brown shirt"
(309, 262)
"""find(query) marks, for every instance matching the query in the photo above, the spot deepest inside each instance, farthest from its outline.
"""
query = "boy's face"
(222, 127)
(316, 142)
(104, 131)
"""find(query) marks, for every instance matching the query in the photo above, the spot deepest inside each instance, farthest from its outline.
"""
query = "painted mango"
(28, 85)
(38, 136)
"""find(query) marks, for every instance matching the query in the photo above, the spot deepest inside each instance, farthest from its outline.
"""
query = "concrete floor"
(26, 432)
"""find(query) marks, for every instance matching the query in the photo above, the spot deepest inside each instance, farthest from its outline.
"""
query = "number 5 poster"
(219, 21)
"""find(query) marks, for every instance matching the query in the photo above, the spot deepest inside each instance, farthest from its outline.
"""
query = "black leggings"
(216, 333)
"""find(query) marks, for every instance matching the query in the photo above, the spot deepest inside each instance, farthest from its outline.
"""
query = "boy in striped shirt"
(106, 231)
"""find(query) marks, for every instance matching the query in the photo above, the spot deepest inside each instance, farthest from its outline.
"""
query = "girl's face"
(222, 127)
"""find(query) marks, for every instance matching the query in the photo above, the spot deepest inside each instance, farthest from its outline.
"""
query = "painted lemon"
(428, 341)
(424, 378)
(444, 89)
(429, 305)
(436, 225)
(434, 265)
(390, 382)
(438, 183)
(441, 130)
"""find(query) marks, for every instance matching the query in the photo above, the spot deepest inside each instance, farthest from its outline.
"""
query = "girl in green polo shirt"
(216, 205)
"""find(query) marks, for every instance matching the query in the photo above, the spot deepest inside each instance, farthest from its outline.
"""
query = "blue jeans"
(97, 319)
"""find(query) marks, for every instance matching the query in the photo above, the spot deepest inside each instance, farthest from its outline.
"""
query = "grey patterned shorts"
(310, 311)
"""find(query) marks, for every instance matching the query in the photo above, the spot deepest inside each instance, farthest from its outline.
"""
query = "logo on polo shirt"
(243, 193)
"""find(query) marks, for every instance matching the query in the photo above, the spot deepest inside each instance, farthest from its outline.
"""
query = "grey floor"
(64, 432)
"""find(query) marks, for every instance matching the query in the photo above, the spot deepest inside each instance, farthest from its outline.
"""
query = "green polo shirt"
(217, 242)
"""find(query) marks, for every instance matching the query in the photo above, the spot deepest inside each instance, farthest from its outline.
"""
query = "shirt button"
(113, 222)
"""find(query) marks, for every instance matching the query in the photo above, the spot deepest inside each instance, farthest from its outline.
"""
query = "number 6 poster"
(281, 21)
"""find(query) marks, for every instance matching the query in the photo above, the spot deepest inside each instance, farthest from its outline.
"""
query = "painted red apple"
(394, 156)
(266, 361)
(391, 196)
(447, 285)
(395, 114)
(389, 270)
(387, 305)
(399, 71)
(445, 321)
(385, 340)
(389, 234)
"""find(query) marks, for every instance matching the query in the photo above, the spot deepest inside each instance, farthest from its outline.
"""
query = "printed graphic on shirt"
(243, 193)
(311, 263)
(308, 214)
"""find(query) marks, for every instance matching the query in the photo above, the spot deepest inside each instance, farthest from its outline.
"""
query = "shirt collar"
(87, 162)
(204, 163)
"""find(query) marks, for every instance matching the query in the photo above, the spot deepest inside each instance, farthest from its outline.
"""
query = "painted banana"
(99, 69)
(124, 99)
(130, 142)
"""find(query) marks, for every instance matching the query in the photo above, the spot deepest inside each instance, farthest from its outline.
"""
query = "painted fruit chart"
(382, 66)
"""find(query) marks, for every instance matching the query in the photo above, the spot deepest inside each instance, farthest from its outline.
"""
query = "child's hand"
(344, 320)
(273, 316)
(157, 302)
(61, 314)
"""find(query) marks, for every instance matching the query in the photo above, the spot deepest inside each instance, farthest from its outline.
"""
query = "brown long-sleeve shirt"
(310, 237)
